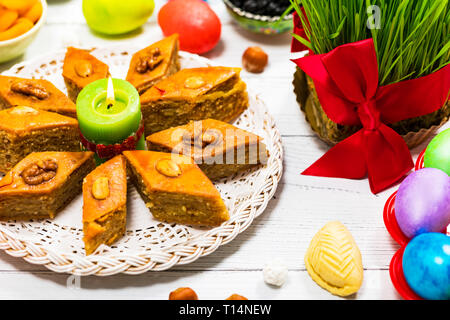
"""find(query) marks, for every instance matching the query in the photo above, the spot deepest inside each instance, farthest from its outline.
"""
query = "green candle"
(112, 119)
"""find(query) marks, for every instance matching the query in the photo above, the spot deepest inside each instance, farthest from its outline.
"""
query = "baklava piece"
(35, 93)
(105, 204)
(80, 69)
(175, 189)
(194, 94)
(24, 130)
(154, 63)
(42, 184)
(220, 149)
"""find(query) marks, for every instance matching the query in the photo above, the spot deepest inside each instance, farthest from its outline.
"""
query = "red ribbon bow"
(112, 150)
(346, 81)
(297, 46)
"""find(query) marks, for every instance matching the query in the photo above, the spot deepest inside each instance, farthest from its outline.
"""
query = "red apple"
(196, 23)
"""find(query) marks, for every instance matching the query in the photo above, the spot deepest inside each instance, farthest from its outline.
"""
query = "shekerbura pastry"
(333, 260)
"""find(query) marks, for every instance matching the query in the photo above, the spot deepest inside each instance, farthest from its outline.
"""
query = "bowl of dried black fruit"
(261, 16)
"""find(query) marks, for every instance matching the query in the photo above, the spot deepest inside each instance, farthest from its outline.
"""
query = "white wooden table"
(301, 206)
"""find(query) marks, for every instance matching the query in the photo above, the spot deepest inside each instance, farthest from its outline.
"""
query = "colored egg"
(438, 152)
(198, 26)
(423, 202)
(426, 266)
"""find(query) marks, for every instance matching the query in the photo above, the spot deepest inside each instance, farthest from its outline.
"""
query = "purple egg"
(423, 202)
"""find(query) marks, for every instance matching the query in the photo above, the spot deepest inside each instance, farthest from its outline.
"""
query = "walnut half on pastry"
(154, 63)
(42, 184)
(35, 93)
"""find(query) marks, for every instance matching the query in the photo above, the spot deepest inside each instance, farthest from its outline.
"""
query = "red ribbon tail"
(345, 160)
(381, 154)
(387, 156)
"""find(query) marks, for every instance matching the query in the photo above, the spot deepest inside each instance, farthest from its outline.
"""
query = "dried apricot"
(22, 25)
(7, 19)
(17, 5)
(34, 13)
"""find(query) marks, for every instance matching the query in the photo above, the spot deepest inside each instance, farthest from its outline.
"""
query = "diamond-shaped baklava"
(42, 184)
(175, 189)
(220, 149)
(24, 130)
(105, 204)
(154, 63)
(194, 94)
(35, 93)
(80, 69)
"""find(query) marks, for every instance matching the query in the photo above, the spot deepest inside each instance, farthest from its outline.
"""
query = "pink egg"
(423, 202)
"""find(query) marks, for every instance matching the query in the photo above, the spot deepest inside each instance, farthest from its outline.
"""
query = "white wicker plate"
(148, 244)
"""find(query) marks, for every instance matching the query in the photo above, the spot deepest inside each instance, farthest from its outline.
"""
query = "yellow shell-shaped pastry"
(333, 260)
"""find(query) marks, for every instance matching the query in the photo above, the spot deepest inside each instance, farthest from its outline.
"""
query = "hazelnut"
(183, 294)
(83, 68)
(168, 168)
(194, 83)
(100, 188)
(236, 297)
(255, 60)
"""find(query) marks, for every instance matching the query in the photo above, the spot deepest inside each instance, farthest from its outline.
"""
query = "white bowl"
(10, 49)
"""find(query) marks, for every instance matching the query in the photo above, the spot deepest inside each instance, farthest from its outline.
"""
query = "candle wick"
(110, 97)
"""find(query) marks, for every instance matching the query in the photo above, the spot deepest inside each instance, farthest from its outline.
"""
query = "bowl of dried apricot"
(20, 21)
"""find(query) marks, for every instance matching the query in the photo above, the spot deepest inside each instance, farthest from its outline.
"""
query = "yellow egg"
(333, 260)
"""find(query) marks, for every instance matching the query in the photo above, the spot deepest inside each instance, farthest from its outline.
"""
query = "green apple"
(117, 16)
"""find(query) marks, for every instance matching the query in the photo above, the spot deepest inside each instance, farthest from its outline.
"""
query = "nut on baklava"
(35, 93)
(42, 184)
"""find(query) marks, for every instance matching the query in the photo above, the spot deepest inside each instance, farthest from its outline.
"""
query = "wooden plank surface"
(301, 206)
(208, 285)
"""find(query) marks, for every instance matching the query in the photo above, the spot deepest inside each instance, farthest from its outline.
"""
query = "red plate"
(420, 161)
(396, 267)
(398, 279)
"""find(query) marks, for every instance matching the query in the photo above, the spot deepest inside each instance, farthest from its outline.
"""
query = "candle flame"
(110, 98)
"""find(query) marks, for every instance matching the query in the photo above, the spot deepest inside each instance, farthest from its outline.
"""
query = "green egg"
(438, 152)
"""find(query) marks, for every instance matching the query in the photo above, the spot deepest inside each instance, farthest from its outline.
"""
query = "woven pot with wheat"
(410, 41)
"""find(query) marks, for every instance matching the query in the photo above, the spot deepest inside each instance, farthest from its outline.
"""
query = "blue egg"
(426, 266)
